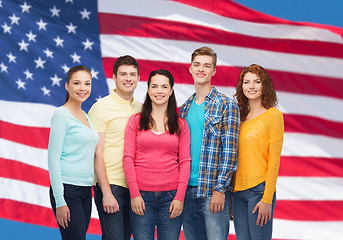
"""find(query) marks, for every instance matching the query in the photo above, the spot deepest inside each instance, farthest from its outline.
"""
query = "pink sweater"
(156, 162)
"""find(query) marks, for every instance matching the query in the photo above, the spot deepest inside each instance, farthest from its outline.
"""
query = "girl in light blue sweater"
(71, 151)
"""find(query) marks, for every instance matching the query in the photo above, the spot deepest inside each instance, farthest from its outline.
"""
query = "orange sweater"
(259, 150)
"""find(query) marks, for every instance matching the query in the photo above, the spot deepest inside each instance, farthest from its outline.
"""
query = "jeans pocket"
(171, 194)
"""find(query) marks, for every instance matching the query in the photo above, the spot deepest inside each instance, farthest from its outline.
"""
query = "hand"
(138, 205)
(264, 212)
(63, 216)
(110, 203)
(217, 202)
(176, 208)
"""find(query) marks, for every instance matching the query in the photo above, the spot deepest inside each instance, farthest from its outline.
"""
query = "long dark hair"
(269, 98)
(73, 70)
(147, 122)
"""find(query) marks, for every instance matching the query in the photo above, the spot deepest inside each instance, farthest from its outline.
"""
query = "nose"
(251, 85)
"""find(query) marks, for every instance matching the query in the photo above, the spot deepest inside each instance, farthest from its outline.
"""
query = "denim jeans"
(198, 221)
(243, 203)
(156, 213)
(79, 202)
(114, 226)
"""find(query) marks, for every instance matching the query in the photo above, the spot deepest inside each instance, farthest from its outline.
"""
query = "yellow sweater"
(259, 150)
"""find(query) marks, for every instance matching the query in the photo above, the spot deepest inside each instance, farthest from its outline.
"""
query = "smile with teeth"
(82, 94)
(159, 97)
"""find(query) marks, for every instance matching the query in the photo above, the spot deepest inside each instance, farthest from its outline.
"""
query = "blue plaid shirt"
(218, 158)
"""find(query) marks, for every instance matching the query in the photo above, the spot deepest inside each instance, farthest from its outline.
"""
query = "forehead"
(250, 76)
(203, 59)
(81, 75)
(159, 80)
(127, 68)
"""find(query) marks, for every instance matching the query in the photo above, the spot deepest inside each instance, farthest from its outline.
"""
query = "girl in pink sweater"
(157, 162)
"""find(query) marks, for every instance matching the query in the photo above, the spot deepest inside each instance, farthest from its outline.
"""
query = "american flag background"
(41, 39)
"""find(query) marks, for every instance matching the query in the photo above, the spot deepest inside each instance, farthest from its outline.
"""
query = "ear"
(66, 86)
(190, 69)
(214, 72)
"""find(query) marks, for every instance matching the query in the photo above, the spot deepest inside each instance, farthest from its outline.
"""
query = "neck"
(125, 96)
(255, 105)
(159, 110)
(72, 105)
(201, 91)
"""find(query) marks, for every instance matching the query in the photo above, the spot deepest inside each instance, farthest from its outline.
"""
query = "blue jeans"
(198, 221)
(156, 213)
(79, 202)
(114, 226)
(243, 203)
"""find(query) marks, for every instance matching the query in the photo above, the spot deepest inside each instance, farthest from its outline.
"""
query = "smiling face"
(252, 87)
(79, 86)
(126, 81)
(202, 69)
(159, 90)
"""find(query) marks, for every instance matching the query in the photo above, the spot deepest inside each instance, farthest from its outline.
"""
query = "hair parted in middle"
(71, 72)
(146, 121)
(207, 52)
(125, 60)
(269, 98)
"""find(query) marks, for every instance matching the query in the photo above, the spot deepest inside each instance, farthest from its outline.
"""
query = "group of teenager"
(217, 159)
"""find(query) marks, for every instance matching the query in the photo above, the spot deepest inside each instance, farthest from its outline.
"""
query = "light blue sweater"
(70, 153)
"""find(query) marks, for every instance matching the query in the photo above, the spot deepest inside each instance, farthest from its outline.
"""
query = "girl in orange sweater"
(259, 150)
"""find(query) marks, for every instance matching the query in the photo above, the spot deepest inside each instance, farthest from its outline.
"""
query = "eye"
(88, 84)
(245, 82)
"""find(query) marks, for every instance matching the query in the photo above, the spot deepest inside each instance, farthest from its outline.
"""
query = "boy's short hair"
(125, 60)
(205, 51)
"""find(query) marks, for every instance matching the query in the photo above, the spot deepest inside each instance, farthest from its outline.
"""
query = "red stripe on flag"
(37, 137)
(126, 25)
(228, 77)
(308, 210)
(24, 172)
(312, 125)
(27, 213)
(310, 167)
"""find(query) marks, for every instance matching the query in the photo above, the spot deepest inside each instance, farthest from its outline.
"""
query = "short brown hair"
(125, 60)
(205, 51)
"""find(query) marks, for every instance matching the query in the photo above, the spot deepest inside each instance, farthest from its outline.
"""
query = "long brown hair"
(147, 122)
(269, 98)
(73, 70)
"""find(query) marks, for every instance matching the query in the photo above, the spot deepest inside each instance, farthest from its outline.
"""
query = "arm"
(264, 207)
(58, 132)
(228, 162)
(130, 141)
(176, 206)
(109, 202)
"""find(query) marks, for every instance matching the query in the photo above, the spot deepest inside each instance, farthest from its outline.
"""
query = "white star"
(56, 80)
(94, 74)
(39, 63)
(71, 28)
(75, 57)
(0, 3)
(3, 67)
(45, 91)
(65, 68)
(88, 44)
(69, 1)
(55, 12)
(23, 45)
(85, 14)
(28, 74)
(20, 84)
(48, 53)
(25, 8)
(11, 57)
(59, 41)
(14, 19)
(6, 28)
(31, 36)
(42, 25)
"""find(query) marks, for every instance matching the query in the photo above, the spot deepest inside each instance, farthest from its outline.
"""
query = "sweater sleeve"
(129, 158)
(184, 160)
(58, 131)
(275, 147)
